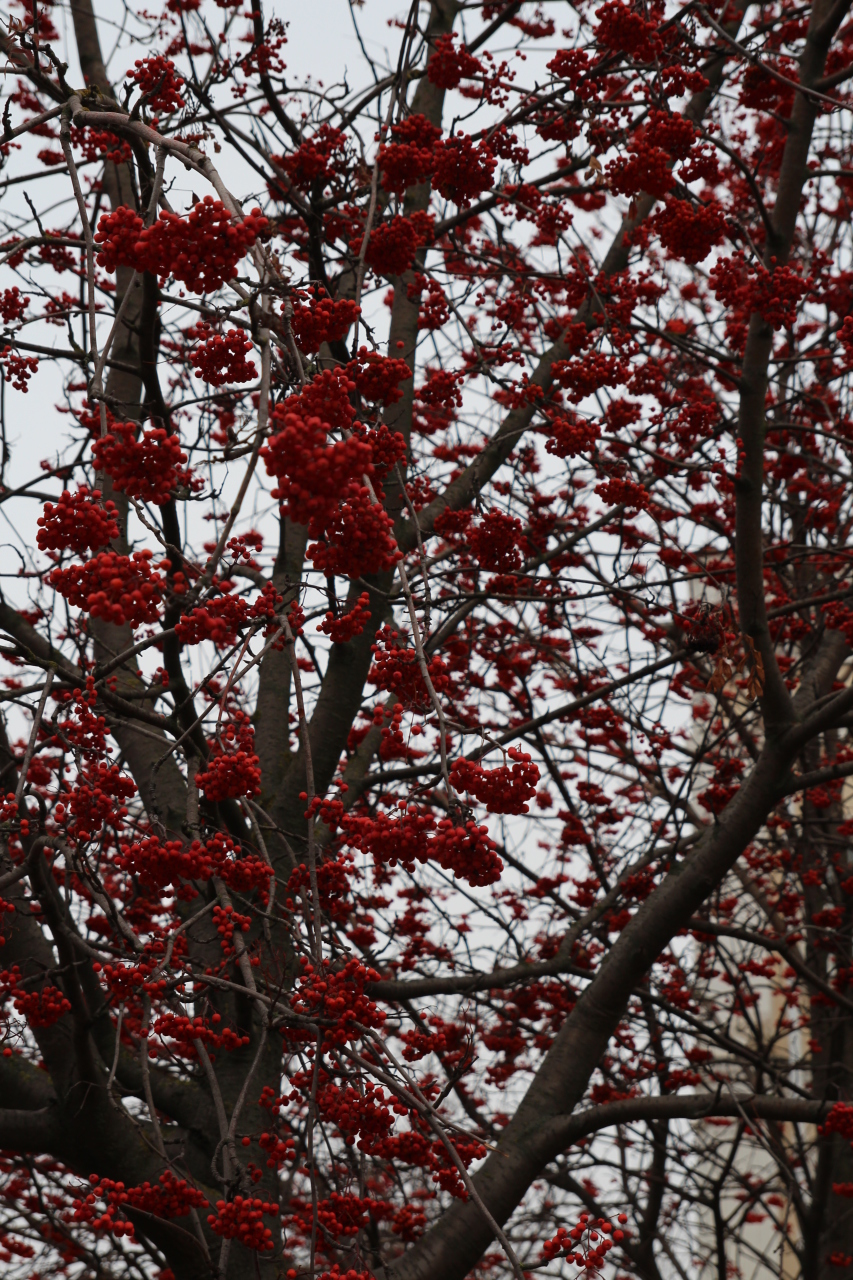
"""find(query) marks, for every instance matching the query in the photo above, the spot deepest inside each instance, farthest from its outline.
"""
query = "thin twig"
(31, 745)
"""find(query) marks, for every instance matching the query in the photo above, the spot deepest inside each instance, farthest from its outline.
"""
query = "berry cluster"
(623, 28)
(243, 1219)
(217, 620)
(243, 547)
(397, 669)
(119, 589)
(18, 369)
(169, 1197)
(586, 1244)
(415, 837)
(377, 378)
(451, 63)
(571, 436)
(279, 1150)
(839, 1120)
(160, 864)
(463, 169)
(434, 309)
(317, 319)
(226, 920)
(392, 246)
(328, 396)
(357, 540)
(323, 155)
(409, 158)
(745, 287)
(222, 358)
(158, 80)
(495, 542)
(503, 790)
(98, 797)
(100, 144)
(148, 468)
(41, 1007)
(323, 483)
(689, 232)
(77, 522)
(585, 376)
(338, 997)
(201, 250)
(312, 473)
(341, 630)
(232, 773)
(185, 1031)
(12, 305)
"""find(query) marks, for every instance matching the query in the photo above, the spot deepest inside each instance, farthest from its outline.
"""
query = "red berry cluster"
(201, 250)
(158, 80)
(337, 997)
(41, 1008)
(415, 837)
(226, 920)
(434, 310)
(312, 473)
(620, 491)
(279, 1150)
(159, 864)
(99, 144)
(170, 1197)
(77, 522)
(117, 588)
(502, 790)
(392, 246)
(18, 369)
(243, 546)
(377, 378)
(357, 540)
(12, 304)
(242, 1219)
(688, 232)
(328, 396)
(323, 155)
(839, 1120)
(222, 357)
(323, 483)
(409, 158)
(333, 874)
(355, 1112)
(97, 797)
(586, 1244)
(84, 729)
(317, 319)
(572, 435)
(744, 287)
(397, 669)
(185, 1030)
(231, 773)
(845, 336)
(622, 28)
(451, 63)
(217, 621)
(463, 169)
(495, 542)
(589, 374)
(351, 624)
(148, 468)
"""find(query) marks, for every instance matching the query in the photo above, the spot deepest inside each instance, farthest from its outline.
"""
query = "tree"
(425, 840)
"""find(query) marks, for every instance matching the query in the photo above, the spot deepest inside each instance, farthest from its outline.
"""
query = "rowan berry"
(158, 80)
(78, 522)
